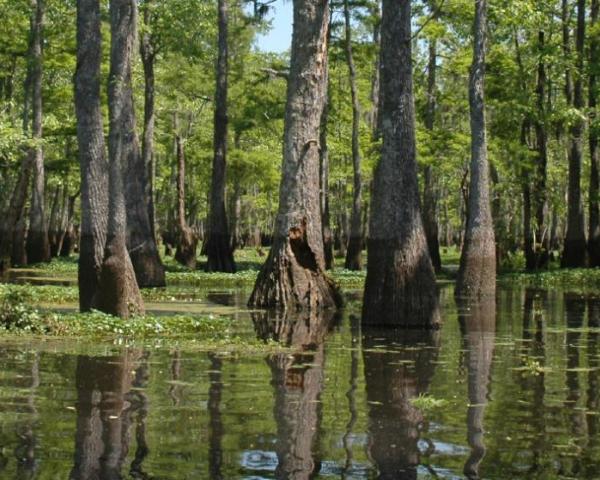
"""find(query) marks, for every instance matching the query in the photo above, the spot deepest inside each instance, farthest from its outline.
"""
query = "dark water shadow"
(399, 367)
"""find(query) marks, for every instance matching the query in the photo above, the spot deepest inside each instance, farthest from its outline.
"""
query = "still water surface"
(506, 390)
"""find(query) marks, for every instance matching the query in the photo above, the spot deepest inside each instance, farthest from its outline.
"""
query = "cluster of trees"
(518, 181)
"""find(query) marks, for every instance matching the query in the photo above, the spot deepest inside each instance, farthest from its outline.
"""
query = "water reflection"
(478, 327)
(297, 380)
(399, 366)
(104, 413)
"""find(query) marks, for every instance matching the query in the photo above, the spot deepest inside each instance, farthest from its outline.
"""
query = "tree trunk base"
(292, 279)
(477, 272)
(186, 249)
(149, 270)
(574, 254)
(328, 248)
(118, 292)
(433, 244)
(594, 252)
(219, 253)
(353, 254)
(400, 288)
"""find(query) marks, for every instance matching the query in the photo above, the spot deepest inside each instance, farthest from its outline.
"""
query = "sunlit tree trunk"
(218, 248)
(38, 249)
(118, 292)
(294, 273)
(400, 286)
(477, 272)
(186, 240)
(355, 242)
(92, 151)
(575, 248)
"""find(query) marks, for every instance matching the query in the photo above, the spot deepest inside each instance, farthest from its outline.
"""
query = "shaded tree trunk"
(477, 271)
(575, 248)
(118, 293)
(294, 274)
(19, 238)
(141, 237)
(38, 249)
(70, 233)
(92, 151)
(54, 223)
(400, 286)
(218, 249)
(355, 244)
(594, 225)
(186, 240)
(324, 182)
(429, 195)
(374, 117)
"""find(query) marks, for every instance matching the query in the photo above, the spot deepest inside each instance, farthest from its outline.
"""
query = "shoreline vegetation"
(42, 301)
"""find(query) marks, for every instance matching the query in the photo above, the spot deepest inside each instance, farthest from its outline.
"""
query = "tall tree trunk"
(92, 151)
(218, 249)
(574, 253)
(374, 116)
(594, 226)
(118, 292)
(429, 195)
(355, 244)
(38, 249)
(148, 54)
(324, 180)
(141, 238)
(542, 232)
(53, 223)
(186, 241)
(294, 274)
(400, 286)
(477, 272)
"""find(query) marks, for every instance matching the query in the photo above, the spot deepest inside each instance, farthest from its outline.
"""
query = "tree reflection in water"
(297, 381)
(105, 405)
(478, 329)
(399, 366)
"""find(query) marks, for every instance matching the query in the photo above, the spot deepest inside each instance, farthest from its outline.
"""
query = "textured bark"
(218, 249)
(70, 232)
(102, 436)
(477, 272)
(297, 389)
(400, 287)
(355, 242)
(92, 151)
(394, 376)
(293, 275)
(141, 240)
(58, 203)
(118, 293)
(478, 328)
(374, 118)
(186, 240)
(429, 194)
(575, 248)
(38, 249)
(594, 192)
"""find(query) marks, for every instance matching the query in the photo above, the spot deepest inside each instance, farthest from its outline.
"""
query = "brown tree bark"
(374, 117)
(400, 287)
(355, 242)
(218, 248)
(92, 151)
(324, 183)
(477, 272)
(429, 194)
(294, 274)
(118, 292)
(54, 222)
(575, 248)
(186, 240)
(594, 191)
(141, 238)
(38, 249)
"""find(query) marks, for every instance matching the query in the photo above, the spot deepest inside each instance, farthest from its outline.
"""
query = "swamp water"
(504, 391)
